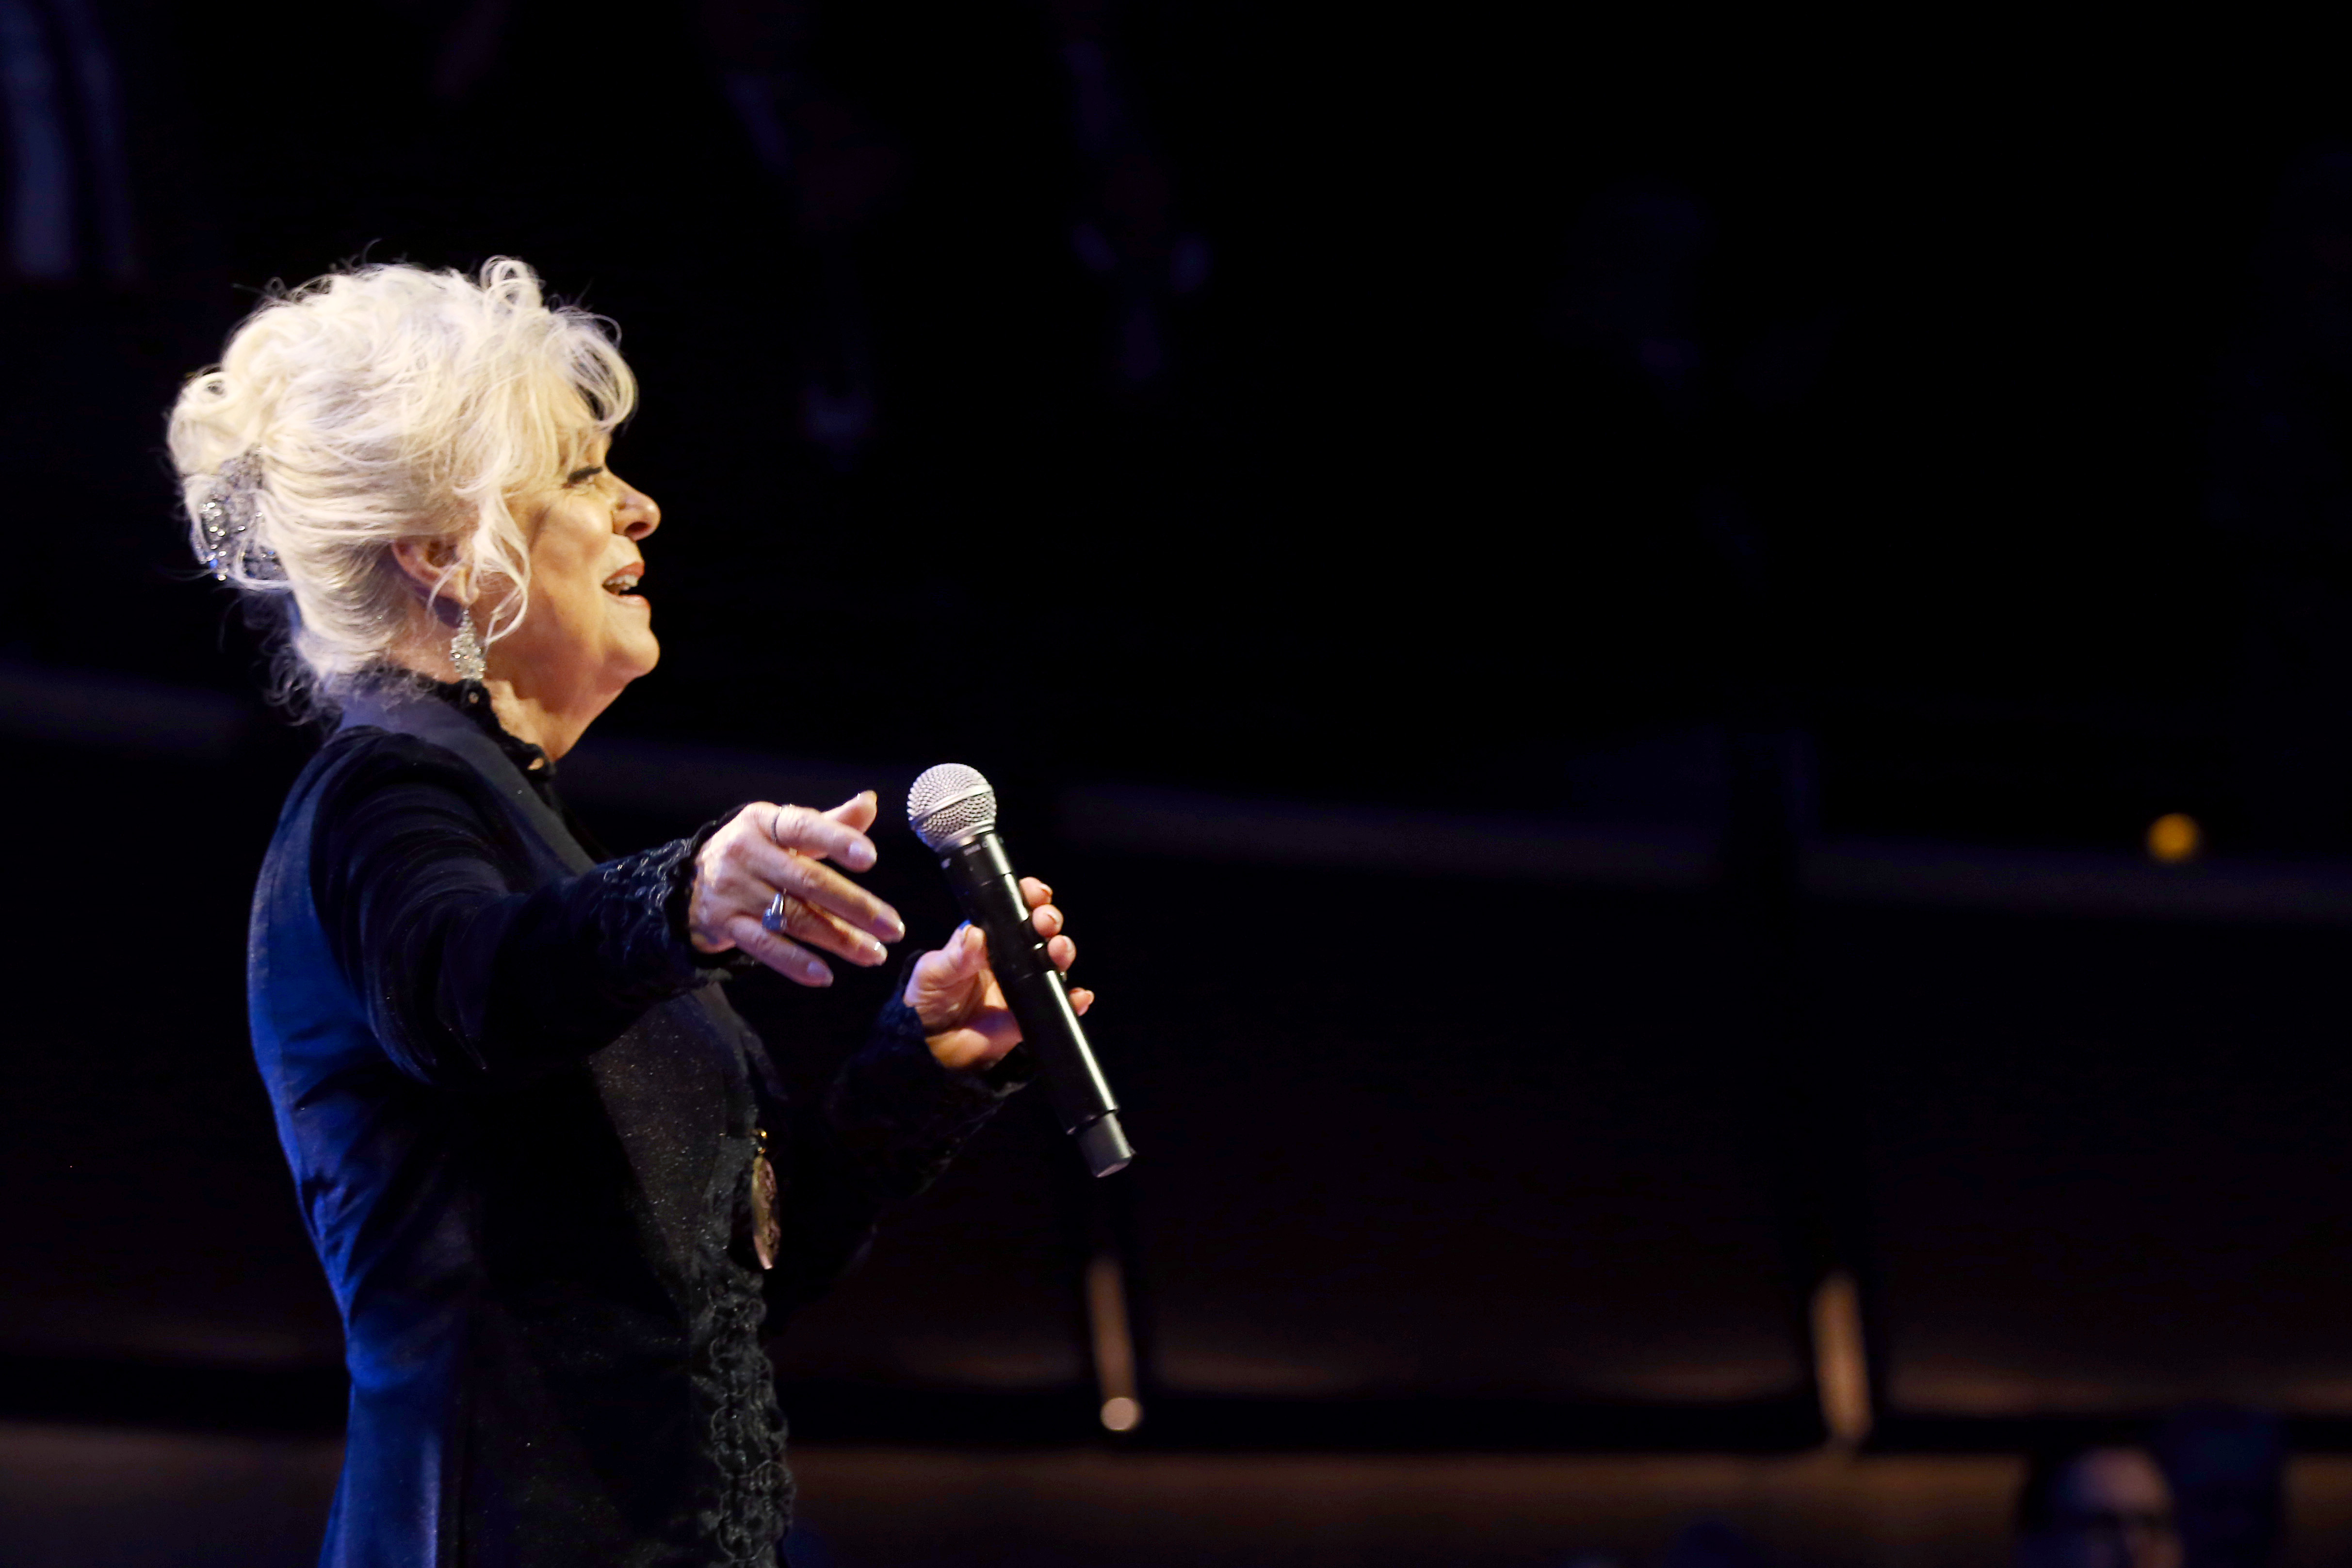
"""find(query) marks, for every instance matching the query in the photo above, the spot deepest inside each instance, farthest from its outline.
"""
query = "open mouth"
(623, 584)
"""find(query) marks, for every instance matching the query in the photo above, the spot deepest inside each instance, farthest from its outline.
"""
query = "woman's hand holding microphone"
(762, 884)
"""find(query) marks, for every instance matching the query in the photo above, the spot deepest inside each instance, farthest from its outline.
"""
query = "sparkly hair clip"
(225, 516)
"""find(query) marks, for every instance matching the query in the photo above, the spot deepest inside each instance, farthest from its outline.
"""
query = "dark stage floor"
(73, 1497)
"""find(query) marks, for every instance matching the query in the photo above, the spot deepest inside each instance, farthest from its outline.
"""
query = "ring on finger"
(773, 921)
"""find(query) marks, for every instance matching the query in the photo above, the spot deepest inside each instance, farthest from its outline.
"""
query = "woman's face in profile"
(588, 624)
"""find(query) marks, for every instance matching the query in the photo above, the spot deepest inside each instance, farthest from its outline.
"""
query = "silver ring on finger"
(775, 827)
(773, 921)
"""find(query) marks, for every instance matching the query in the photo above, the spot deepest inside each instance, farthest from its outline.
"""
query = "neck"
(553, 725)
(550, 714)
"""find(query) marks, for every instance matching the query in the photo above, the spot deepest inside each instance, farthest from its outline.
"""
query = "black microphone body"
(981, 872)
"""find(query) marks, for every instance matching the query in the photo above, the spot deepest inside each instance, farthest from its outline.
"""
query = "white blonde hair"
(384, 404)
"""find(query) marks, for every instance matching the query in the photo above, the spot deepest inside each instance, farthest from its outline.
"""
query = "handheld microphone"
(954, 812)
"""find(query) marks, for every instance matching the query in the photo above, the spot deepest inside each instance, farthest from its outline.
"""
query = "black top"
(521, 1121)
(468, 980)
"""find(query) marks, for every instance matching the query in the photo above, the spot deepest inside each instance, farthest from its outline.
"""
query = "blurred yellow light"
(2174, 837)
(1121, 1415)
(1840, 1367)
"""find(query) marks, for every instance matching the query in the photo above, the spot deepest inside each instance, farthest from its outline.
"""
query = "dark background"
(1588, 619)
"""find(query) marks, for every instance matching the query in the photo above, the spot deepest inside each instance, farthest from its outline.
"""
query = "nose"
(637, 514)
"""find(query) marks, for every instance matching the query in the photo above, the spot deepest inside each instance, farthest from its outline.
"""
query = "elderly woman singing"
(551, 1175)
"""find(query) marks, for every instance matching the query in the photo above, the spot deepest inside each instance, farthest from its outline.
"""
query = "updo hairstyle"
(377, 405)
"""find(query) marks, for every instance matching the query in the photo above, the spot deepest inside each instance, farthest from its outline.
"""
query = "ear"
(426, 563)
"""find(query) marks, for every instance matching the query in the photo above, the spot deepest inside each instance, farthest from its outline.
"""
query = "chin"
(636, 657)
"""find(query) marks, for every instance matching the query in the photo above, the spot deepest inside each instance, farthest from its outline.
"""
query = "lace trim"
(641, 922)
(902, 1114)
(746, 1506)
(634, 922)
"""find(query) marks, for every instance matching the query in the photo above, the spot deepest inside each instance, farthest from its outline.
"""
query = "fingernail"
(861, 855)
(876, 951)
(819, 975)
(893, 928)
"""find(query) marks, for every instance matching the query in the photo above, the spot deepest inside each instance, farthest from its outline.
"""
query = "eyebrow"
(582, 475)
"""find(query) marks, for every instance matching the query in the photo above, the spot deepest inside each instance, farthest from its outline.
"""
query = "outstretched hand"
(771, 851)
(952, 990)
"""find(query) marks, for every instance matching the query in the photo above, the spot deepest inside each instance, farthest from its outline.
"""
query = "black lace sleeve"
(467, 977)
(890, 1124)
(900, 1115)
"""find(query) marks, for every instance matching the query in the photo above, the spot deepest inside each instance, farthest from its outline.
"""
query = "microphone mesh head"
(949, 801)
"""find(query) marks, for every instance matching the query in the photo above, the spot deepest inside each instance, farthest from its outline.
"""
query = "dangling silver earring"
(465, 651)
